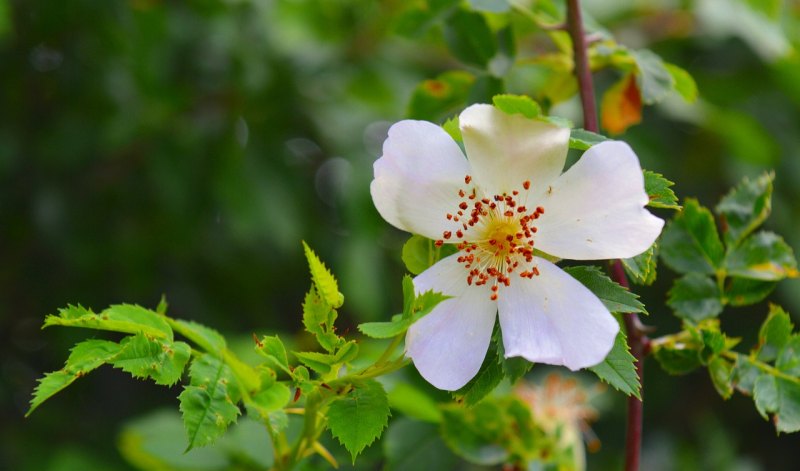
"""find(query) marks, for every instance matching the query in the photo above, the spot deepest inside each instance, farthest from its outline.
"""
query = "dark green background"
(185, 148)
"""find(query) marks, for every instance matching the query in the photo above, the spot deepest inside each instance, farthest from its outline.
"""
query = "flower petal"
(505, 150)
(595, 210)
(449, 344)
(554, 319)
(418, 177)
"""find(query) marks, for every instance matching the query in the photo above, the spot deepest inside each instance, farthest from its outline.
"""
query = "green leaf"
(491, 6)
(745, 207)
(318, 319)
(477, 434)
(721, 372)
(654, 79)
(414, 308)
(319, 362)
(452, 127)
(161, 360)
(582, 139)
(762, 256)
(414, 403)
(615, 297)
(385, 330)
(517, 104)
(469, 38)
(781, 397)
(446, 95)
(618, 369)
(126, 318)
(207, 338)
(269, 400)
(488, 378)
(684, 83)
(84, 357)
(690, 242)
(658, 190)
(745, 374)
(641, 269)
(414, 446)
(273, 349)
(775, 334)
(678, 358)
(695, 297)
(744, 292)
(323, 279)
(417, 254)
(208, 404)
(358, 418)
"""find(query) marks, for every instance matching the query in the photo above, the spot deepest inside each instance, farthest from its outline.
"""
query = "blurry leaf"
(208, 404)
(413, 446)
(484, 382)
(745, 374)
(207, 338)
(621, 106)
(775, 334)
(695, 297)
(443, 96)
(690, 242)
(684, 83)
(514, 368)
(678, 360)
(721, 370)
(126, 318)
(273, 349)
(346, 352)
(517, 104)
(414, 308)
(84, 357)
(654, 79)
(420, 253)
(762, 256)
(582, 139)
(358, 418)
(323, 279)
(451, 127)
(744, 136)
(414, 403)
(724, 18)
(619, 368)
(417, 19)
(779, 396)
(658, 190)
(484, 88)
(476, 433)
(161, 360)
(745, 207)
(469, 38)
(5, 18)
(614, 296)
(744, 292)
(491, 6)
(642, 268)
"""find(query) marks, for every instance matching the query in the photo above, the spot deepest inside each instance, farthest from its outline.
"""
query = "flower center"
(494, 235)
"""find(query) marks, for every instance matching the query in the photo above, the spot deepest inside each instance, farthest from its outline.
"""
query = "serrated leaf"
(84, 357)
(205, 337)
(445, 95)
(273, 349)
(323, 279)
(654, 79)
(721, 372)
(744, 292)
(208, 404)
(615, 297)
(774, 335)
(745, 207)
(469, 38)
(582, 139)
(517, 104)
(695, 297)
(618, 369)
(158, 359)
(690, 242)
(781, 397)
(762, 256)
(125, 318)
(684, 83)
(658, 190)
(358, 418)
(641, 269)
(318, 319)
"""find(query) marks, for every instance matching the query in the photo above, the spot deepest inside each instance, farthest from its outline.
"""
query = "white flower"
(507, 199)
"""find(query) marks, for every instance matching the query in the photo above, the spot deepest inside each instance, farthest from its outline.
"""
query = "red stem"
(637, 340)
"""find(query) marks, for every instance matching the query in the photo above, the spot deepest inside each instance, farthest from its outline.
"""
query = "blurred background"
(185, 148)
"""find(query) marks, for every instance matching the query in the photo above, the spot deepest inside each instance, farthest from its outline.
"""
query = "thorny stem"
(637, 339)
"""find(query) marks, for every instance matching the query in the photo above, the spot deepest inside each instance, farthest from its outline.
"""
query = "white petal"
(505, 150)
(449, 344)
(418, 177)
(554, 319)
(595, 210)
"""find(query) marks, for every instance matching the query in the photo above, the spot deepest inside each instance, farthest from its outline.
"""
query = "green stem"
(771, 370)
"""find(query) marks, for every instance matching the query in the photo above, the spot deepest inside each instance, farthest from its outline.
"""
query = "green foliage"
(615, 297)
(414, 403)
(324, 282)
(273, 349)
(359, 417)
(695, 297)
(208, 404)
(420, 253)
(641, 269)
(745, 207)
(161, 360)
(205, 337)
(470, 39)
(484, 382)
(654, 78)
(619, 368)
(414, 308)
(762, 256)
(658, 190)
(582, 139)
(412, 446)
(443, 96)
(517, 104)
(126, 318)
(690, 242)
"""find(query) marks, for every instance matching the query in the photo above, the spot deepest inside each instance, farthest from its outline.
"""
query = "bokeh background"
(185, 148)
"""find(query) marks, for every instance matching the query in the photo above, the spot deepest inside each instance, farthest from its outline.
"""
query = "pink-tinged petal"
(554, 319)
(449, 344)
(595, 210)
(418, 177)
(505, 150)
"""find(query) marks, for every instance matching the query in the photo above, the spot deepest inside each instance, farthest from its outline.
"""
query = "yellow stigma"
(500, 234)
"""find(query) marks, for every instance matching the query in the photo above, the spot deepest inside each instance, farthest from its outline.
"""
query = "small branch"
(637, 339)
